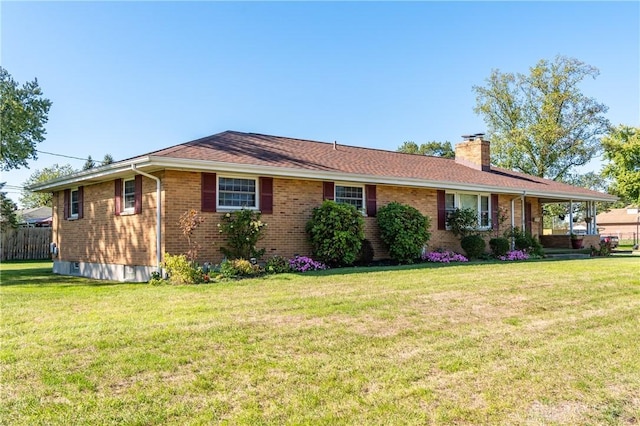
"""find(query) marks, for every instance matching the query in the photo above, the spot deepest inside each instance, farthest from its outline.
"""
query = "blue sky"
(127, 78)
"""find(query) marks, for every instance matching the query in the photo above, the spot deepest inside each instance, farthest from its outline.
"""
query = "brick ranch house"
(116, 221)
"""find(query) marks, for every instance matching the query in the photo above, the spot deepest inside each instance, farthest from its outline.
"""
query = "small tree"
(404, 230)
(189, 222)
(243, 229)
(336, 231)
(89, 164)
(108, 159)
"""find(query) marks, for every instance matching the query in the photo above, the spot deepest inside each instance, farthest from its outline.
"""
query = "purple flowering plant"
(444, 257)
(515, 255)
(304, 264)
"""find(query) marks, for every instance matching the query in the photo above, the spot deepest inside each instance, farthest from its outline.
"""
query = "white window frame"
(125, 209)
(479, 196)
(234, 208)
(73, 215)
(362, 210)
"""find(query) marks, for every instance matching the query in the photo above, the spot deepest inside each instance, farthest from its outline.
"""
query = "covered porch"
(569, 224)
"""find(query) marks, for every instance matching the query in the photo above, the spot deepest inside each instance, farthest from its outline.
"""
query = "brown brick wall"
(102, 237)
(475, 154)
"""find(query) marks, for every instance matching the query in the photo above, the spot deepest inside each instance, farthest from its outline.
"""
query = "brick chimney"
(475, 152)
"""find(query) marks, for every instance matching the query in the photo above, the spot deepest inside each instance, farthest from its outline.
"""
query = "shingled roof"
(282, 152)
(290, 157)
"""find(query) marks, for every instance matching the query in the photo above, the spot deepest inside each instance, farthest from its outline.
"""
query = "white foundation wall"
(110, 272)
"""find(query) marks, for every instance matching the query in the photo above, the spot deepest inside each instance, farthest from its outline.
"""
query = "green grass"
(541, 342)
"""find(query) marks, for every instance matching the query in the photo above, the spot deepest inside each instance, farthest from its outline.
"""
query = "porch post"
(570, 217)
(593, 218)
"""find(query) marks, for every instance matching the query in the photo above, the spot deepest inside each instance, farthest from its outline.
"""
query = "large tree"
(542, 124)
(8, 218)
(23, 114)
(433, 148)
(622, 150)
(30, 199)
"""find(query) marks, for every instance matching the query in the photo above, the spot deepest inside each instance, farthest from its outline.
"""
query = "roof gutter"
(158, 216)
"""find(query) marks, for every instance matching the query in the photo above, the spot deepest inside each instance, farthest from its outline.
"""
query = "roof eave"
(92, 175)
(158, 162)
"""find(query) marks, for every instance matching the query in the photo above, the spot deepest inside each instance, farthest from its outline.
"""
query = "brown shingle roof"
(274, 151)
(618, 217)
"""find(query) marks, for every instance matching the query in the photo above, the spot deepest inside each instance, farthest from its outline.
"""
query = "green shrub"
(463, 222)
(525, 241)
(366, 255)
(499, 246)
(238, 268)
(277, 265)
(336, 231)
(404, 230)
(473, 245)
(181, 270)
(243, 229)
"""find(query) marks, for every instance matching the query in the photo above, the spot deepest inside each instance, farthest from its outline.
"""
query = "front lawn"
(542, 342)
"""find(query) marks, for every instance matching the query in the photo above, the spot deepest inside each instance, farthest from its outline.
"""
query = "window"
(353, 195)
(74, 204)
(449, 205)
(129, 195)
(478, 203)
(236, 193)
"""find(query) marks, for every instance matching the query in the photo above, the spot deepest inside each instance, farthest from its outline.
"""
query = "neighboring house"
(38, 217)
(624, 223)
(116, 221)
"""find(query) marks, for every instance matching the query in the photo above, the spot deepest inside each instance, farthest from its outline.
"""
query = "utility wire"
(68, 156)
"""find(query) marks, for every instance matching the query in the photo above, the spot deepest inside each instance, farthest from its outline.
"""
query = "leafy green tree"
(8, 208)
(542, 124)
(622, 150)
(433, 148)
(23, 114)
(89, 164)
(30, 199)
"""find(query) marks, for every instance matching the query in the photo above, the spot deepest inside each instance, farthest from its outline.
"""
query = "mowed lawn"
(538, 342)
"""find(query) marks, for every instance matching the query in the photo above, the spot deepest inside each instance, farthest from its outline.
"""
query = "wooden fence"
(25, 244)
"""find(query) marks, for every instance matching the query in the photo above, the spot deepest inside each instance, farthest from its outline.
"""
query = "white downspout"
(158, 217)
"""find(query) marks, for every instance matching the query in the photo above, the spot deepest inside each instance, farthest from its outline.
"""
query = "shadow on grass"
(33, 274)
